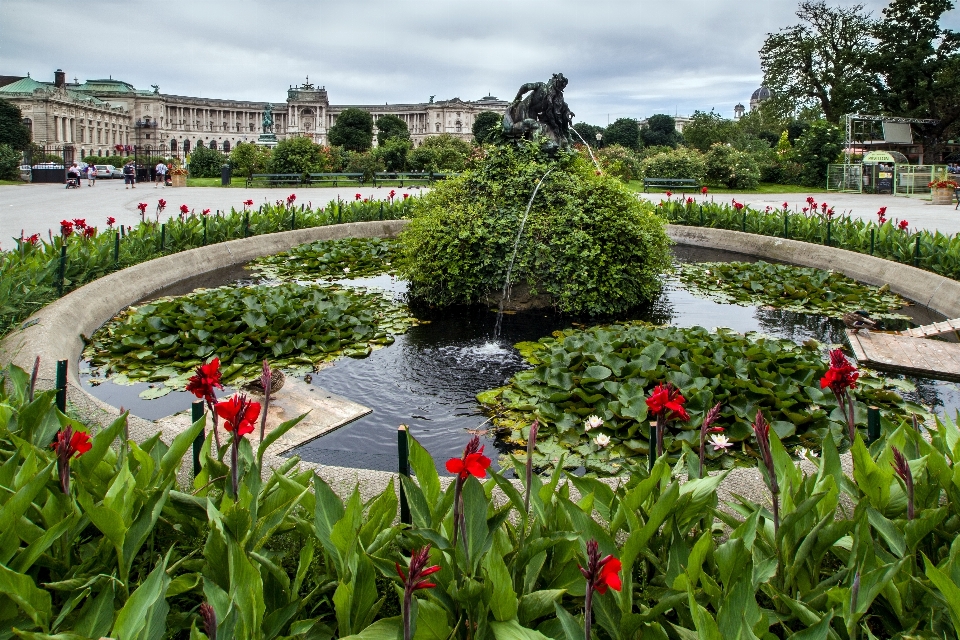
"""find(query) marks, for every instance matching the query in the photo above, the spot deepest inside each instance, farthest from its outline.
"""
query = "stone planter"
(942, 196)
(178, 181)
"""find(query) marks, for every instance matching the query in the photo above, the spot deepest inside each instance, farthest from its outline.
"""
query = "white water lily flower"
(720, 441)
(346, 269)
(592, 423)
(602, 440)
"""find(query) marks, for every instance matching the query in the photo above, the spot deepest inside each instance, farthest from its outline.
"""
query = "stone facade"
(98, 115)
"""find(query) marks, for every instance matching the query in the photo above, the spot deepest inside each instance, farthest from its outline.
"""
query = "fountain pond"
(429, 377)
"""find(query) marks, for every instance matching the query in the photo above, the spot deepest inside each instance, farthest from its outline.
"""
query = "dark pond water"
(429, 377)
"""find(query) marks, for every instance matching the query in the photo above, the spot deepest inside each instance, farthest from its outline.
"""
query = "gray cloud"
(623, 58)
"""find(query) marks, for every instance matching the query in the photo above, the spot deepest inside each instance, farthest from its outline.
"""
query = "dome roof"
(761, 94)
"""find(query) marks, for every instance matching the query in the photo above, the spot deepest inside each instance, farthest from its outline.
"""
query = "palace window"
(186, 146)
(226, 146)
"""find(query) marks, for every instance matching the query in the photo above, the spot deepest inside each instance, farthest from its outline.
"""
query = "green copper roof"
(109, 85)
(24, 85)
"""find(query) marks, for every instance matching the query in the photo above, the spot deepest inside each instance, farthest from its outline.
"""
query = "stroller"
(73, 181)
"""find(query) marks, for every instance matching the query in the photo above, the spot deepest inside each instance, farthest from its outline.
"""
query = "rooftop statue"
(542, 111)
(268, 118)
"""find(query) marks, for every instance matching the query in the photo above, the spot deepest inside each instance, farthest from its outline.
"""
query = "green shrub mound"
(293, 326)
(609, 371)
(784, 286)
(588, 242)
(330, 260)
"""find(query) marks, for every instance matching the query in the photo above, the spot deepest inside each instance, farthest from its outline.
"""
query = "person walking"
(129, 176)
(161, 175)
(91, 175)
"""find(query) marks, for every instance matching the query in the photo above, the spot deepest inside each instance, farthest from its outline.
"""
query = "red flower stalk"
(903, 225)
(266, 381)
(184, 209)
(202, 385)
(703, 190)
(668, 194)
(531, 445)
(406, 195)
(291, 198)
(689, 200)
(472, 462)
(811, 201)
(902, 467)
(69, 444)
(737, 205)
(90, 232)
(392, 193)
(785, 206)
(143, 210)
(34, 239)
(248, 203)
(841, 377)
(209, 617)
(882, 212)
(239, 415)
(666, 403)
(414, 580)
(600, 574)
(80, 224)
(206, 212)
(111, 221)
(761, 429)
(161, 204)
(357, 196)
(705, 428)
(66, 228)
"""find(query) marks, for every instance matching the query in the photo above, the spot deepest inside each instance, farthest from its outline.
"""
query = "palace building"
(96, 116)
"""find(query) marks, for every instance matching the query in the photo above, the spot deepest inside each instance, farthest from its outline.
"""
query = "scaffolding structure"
(851, 129)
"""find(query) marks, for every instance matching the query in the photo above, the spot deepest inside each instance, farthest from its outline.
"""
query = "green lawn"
(765, 187)
(215, 182)
(6, 183)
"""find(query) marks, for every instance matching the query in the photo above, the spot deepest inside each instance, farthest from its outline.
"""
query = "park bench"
(334, 178)
(670, 183)
(275, 179)
(401, 177)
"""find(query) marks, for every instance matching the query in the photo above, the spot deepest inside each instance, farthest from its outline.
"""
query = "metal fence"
(900, 179)
(49, 164)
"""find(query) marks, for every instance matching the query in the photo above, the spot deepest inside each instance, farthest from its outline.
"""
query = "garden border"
(54, 332)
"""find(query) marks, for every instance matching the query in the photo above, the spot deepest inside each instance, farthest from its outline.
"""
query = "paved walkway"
(35, 208)
(918, 212)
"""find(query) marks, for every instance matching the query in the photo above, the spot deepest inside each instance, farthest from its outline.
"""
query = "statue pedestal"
(267, 140)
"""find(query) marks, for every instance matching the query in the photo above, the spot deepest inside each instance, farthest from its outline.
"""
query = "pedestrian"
(129, 176)
(73, 175)
(161, 174)
(91, 175)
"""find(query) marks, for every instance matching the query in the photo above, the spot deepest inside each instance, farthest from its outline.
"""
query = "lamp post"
(599, 139)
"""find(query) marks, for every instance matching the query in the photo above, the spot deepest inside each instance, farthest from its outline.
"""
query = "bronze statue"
(542, 111)
(267, 124)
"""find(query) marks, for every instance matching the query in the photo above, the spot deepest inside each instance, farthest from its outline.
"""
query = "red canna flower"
(66, 228)
(601, 574)
(161, 204)
(291, 198)
(667, 400)
(80, 224)
(239, 414)
(903, 225)
(34, 239)
(413, 581)
(474, 463)
(357, 196)
(689, 200)
(143, 207)
(69, 444)
(704, 190)
(406, 195)
(669, 193)
(737, 205)
(248, 203)
(206, 212)
(90, 232)
(811, 201)
(823, 207)
(392, 193)
(806, 209)
(841, 375)
(110, 221)
(205, 380)
(882, 212)
(184, 209)
(785, 206)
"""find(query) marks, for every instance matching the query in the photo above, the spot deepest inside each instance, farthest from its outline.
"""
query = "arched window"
(199, 144)
(213, 145)
(173, 145)
(226, 146)
(438, 127)
(186, 146)
(251, 126)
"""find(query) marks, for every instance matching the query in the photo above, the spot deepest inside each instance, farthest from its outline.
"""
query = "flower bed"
(102, 541)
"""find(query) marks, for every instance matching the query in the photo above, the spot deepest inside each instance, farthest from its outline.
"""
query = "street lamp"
(599, 138)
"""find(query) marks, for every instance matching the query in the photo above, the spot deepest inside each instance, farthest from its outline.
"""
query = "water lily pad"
(152, 393)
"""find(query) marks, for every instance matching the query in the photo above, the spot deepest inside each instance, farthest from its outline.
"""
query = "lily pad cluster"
(296, 327)
(330, 260)
(608, 372)
(789, 287)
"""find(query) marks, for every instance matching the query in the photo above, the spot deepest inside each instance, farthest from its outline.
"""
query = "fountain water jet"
(589, 150)
(516, 246)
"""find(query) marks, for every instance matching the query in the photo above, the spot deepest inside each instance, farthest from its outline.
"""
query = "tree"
(206, 163)
(366, 162)
(440, 153)
(353, 130)
(661, 131)
(624, 132)
(589, 133)
(393, 153)
(815, 150)
(12, 130)
(298, 155)
(389, 127)
(822, 61)
(9, 163)
(919, 62)
(486, 126)
(707, 129)
(247, 158)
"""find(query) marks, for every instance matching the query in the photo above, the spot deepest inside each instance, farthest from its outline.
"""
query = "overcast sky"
(625, 58)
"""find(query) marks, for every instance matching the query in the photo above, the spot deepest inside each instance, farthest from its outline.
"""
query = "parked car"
(115, 172)
(107, 171)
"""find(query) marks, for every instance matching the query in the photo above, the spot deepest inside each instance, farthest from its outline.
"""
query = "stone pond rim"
(55, 331)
